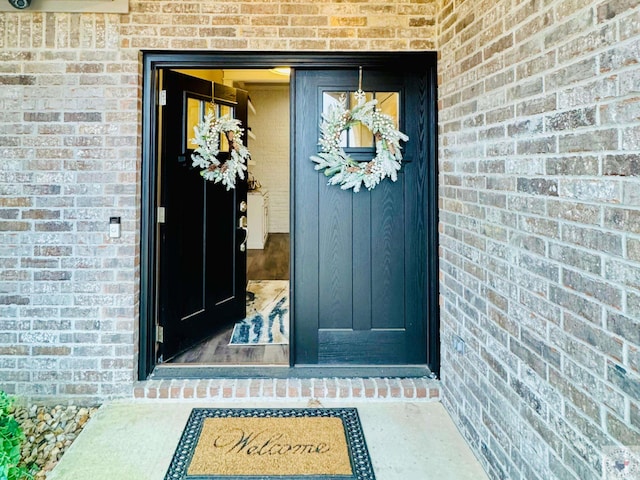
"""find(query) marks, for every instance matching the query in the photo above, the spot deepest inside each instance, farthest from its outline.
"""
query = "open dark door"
(202, 257)
(361, 259)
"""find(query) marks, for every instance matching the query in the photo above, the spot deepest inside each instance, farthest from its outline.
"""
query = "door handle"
(242, 225)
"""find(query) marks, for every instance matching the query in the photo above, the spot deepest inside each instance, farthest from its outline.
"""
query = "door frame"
(152, 62)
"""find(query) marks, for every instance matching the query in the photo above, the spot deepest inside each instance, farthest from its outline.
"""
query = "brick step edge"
(417, 389)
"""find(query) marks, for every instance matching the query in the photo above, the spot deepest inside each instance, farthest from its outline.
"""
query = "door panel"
(202, 284)
(387, 231)
(335, 286)
(370, 347)
(360, 258)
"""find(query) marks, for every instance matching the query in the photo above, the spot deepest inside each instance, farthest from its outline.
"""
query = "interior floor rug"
(267, 320)
(267, 443)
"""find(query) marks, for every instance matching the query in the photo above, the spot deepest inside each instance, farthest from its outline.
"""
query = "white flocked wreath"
(338, 165)
(207, 137)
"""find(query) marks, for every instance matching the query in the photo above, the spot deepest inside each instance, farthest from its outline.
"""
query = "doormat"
(283, 443)
(267, 319)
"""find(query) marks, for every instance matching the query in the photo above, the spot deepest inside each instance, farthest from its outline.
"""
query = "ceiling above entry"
(256, 75)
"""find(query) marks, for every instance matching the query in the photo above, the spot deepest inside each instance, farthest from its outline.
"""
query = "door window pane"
(194, 116)
(331, 100)
(389, 103)
(196, 111)
(222, 111)
(359, 136)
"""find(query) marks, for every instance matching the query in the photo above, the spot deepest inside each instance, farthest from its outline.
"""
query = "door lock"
(243, 206)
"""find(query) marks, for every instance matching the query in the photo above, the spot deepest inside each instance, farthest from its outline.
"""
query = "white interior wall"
(270, 149)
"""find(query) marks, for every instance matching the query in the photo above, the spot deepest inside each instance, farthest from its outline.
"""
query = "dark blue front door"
(363, 262)
(202, 262)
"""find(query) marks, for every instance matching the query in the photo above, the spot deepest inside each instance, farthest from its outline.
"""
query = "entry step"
(392, 389)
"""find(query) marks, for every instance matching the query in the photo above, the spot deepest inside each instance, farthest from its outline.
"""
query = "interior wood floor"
(272, 263)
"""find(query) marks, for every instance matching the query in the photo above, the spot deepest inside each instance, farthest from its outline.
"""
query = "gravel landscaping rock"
(49, 431)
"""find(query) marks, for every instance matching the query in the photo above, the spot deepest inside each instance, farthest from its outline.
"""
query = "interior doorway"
(258, 334)
(261, 338)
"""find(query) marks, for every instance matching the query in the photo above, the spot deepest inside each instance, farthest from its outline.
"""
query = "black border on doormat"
(358, 452)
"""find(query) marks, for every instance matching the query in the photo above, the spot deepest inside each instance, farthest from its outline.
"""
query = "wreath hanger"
(338, 165)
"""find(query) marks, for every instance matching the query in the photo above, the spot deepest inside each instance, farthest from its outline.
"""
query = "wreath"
(207, 138)
(338, 165)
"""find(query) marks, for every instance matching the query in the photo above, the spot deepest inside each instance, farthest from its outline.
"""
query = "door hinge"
(160, 214)
(162, 98)
(159, 334)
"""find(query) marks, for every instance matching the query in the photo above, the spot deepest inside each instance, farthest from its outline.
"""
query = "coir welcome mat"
(286, 444)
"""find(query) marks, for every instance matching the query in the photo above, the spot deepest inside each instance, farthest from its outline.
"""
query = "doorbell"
(114, 227)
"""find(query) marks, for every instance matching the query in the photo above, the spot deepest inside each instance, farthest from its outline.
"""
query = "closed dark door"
(202, 258)
(360, 265)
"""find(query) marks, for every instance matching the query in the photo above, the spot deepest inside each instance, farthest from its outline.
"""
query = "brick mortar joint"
(328, 388)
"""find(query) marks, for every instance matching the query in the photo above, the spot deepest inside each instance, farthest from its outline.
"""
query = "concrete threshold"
(135, 440)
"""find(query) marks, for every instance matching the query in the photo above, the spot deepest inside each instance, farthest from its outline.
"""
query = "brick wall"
(270, 149)
(69, 159)
(540, 210)
(70, 111)
(540, 231)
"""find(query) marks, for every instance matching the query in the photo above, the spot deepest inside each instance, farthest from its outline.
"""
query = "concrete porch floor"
(136, 440)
